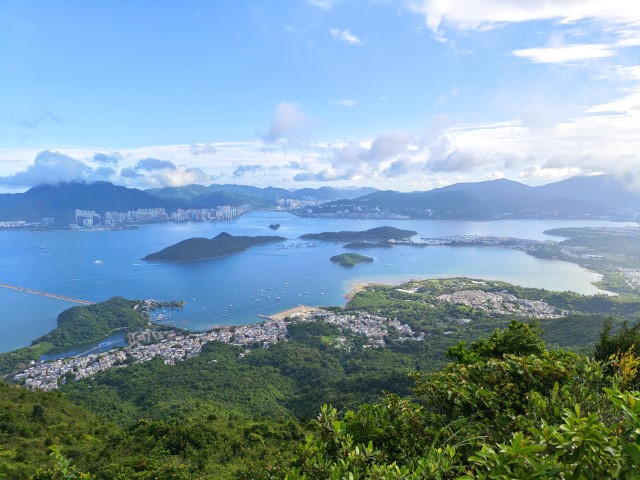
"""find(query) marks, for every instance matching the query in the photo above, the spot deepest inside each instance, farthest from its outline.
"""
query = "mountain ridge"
(577, 197)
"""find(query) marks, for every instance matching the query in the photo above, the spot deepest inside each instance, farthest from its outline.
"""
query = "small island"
(274, 226)
(350, 259)
(196, 249)
(374, 234)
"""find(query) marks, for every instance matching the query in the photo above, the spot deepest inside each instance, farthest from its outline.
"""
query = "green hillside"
(195, 249)
(552, 394)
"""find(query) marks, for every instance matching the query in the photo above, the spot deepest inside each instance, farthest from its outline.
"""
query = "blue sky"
(406, 94)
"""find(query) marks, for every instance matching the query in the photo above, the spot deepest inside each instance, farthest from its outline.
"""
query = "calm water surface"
(263, 280)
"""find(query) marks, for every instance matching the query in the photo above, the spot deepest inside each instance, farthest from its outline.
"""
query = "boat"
(98, 261)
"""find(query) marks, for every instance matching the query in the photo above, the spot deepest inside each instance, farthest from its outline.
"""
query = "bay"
(233, 290)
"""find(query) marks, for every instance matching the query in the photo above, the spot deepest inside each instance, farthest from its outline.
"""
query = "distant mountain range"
(576, 197)
(268, 196)
(59, 201)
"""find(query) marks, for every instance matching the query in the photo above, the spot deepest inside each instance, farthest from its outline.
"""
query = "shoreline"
(295, 311)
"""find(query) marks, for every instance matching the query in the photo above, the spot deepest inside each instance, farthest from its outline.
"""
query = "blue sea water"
(97, 265)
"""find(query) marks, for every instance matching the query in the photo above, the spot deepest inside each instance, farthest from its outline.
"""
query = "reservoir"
(96, 265)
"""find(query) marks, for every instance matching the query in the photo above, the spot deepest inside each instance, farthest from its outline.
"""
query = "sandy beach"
(299, 310)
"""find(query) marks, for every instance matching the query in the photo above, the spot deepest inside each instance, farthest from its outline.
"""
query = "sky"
(393, 94)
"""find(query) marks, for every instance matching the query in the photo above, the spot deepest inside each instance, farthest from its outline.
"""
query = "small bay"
(97, 265)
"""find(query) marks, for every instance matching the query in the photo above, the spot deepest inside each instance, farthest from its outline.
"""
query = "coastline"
(298, 310)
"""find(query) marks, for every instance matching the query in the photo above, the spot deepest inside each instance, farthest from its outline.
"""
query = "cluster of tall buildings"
(89, 218)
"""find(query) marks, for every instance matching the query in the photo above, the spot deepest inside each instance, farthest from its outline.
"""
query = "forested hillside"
(507, 407)
(443, 395)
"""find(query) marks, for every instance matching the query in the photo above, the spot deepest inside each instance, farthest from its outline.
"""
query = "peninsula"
(195, 249)
(374, 234)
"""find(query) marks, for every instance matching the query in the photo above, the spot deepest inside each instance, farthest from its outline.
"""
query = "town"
(89, 218)
(173, 345)
(502, 303)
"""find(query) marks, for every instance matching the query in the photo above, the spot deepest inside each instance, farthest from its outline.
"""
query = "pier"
(46, 294)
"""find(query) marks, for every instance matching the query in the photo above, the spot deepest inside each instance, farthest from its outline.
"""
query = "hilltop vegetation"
(506, 407)
(195, 249)
(92, 322)
(350, 259)
(512, 403)
(373, 234)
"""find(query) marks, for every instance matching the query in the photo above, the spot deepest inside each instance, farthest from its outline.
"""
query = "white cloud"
(600, 139)
(345, 36)
(288, 123)
(323, 4)
(362, 160)
(483, 14)
(345, 102)
(48, 168)
(202, 148)
(566, 53)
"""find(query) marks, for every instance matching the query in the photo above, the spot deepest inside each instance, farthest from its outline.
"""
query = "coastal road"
(46, 294)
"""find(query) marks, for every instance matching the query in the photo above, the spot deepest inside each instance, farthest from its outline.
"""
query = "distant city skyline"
(392, 94)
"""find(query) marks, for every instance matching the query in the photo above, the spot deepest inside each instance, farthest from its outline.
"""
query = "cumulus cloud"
(296, 165)
(202, 148)
(387, 145)
(108, 158)
(179, 176)
(402, 167)
(102, 174)
(457, 161)
(48, 168)
(289, 123)
(154, 172)
(150, 164)
(322, 176)
(345, 36)
(241, 170)
(355, 160)
(130, 172)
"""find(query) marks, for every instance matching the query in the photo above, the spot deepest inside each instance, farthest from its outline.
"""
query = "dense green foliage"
(30, 422)
(194, 249)
(508, 407)
(211, 444)
(88, 323)
(350, 259)
(379, 234)
(625, 340)
(539, 415)
(519, 339)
